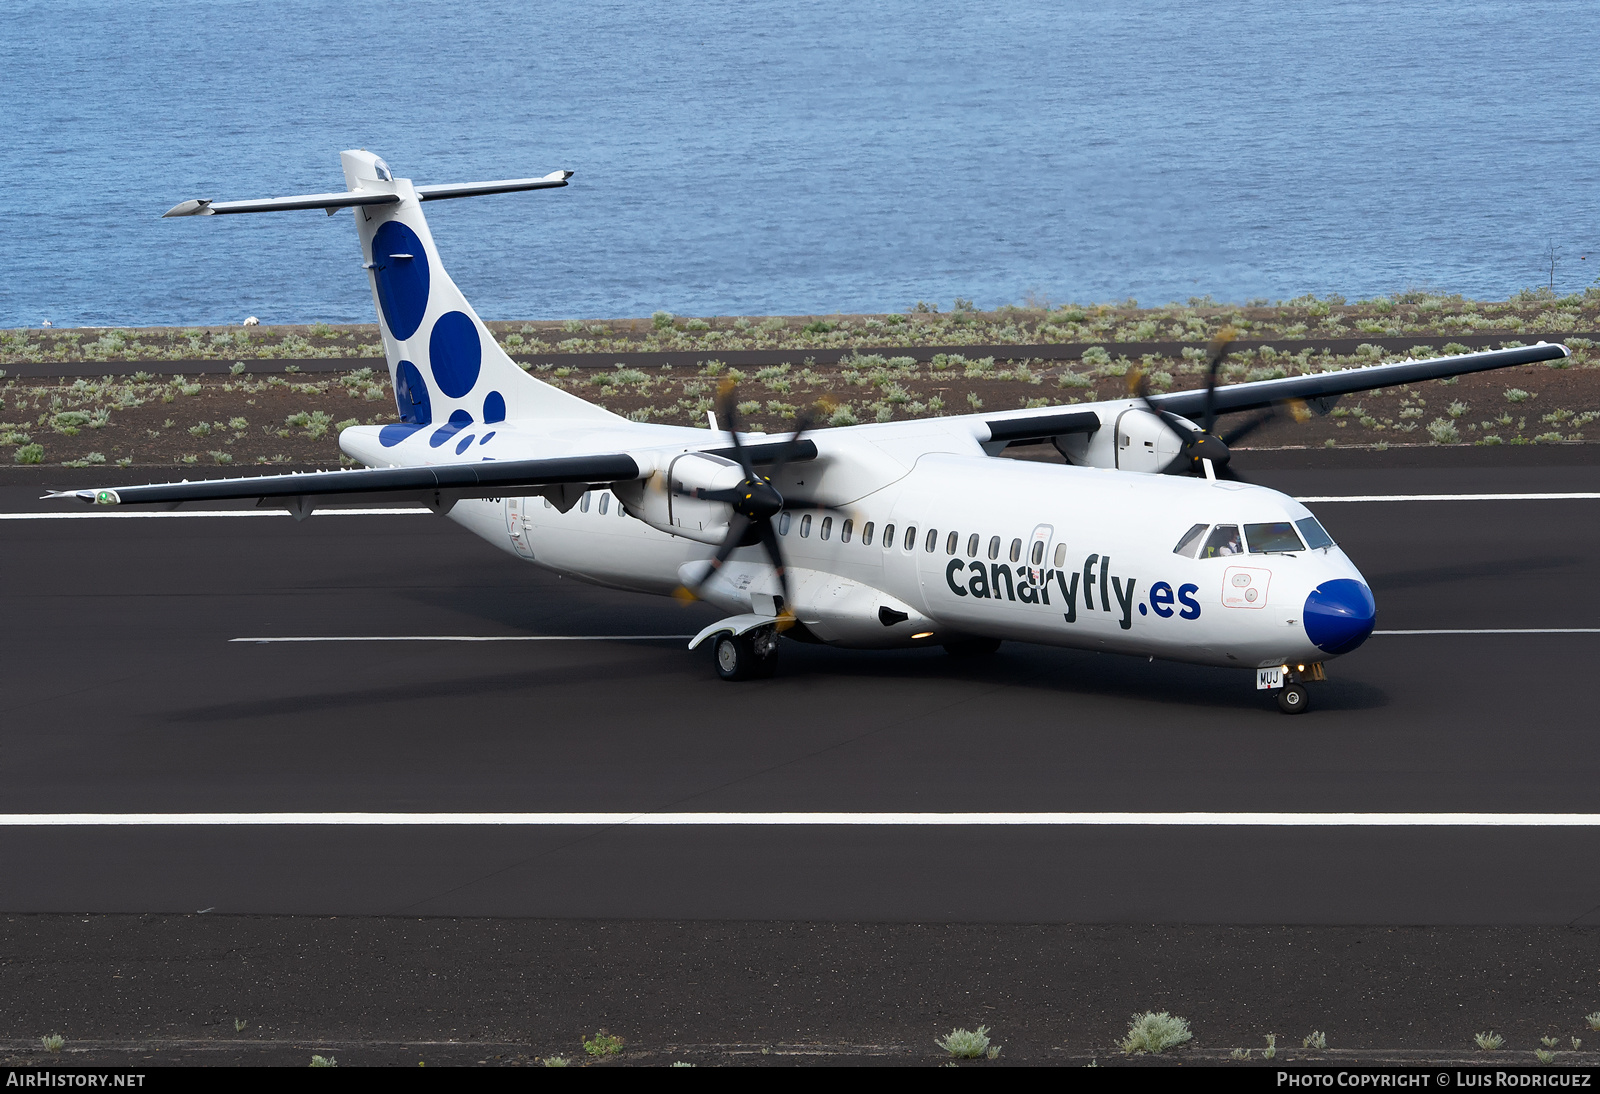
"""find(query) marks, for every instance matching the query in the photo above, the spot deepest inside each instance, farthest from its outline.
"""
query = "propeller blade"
(1218, 350)
(1244, 430)
(738, 527)
(727, 414)
(769, 540)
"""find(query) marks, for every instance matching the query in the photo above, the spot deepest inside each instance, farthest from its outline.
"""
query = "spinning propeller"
(1204, 452)
(755, 502)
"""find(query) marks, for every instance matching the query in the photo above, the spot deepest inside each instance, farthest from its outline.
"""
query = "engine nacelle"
(1137, 441)
(666, 499)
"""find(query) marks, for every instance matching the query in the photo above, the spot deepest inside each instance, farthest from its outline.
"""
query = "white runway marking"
(474, 638)
(213, 513)
(1503, 630)
(936, 820)
(1450, 497)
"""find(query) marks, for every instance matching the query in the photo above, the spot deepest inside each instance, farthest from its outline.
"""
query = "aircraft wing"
(438, 487)
(1264, 393)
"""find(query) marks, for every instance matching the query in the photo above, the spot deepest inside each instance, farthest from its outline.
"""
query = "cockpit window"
(1277, 536)
(1316, 536)
(1224, 540)
(1190, 543)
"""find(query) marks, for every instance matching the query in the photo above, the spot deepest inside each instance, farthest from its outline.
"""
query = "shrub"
(1517, 395)
(324, 1061)
(661, 320)
(1443, 431)
(697, 325)
(52, 1042)
(968, 1044)
(1316, 1040)
(602, 1044)
(1154, 1033)
(1489, 1041)
(29, 453)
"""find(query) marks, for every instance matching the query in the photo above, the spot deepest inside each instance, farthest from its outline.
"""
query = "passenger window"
(827, 528)
(972, 545)
(844, 531)
(911, 537)
(932, 542)
(1016, 549)
(1061, 555)
(805, 526)
(1275, 537)
(1224, 541)
(1317, 537)
(583, 506)
(783, 524)
(1190, 543)
(994, 547)
(605, 504)
(888, 536)
(1036, 556)
(866, 534)
(952, 542)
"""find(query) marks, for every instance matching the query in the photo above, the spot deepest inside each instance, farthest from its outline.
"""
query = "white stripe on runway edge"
(937, 820)
(474, 638)
(133, 514)
(1502, 630)
(1450, 497)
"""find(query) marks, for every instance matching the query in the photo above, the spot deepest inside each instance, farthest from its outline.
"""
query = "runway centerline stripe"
(1499, 630)
(779, 819)
(1576, 496)
(471, 638)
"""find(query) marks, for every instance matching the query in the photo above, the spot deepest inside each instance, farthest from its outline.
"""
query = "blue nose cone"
(1339, 615)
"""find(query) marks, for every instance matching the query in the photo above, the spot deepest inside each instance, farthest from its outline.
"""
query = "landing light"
(924, 634)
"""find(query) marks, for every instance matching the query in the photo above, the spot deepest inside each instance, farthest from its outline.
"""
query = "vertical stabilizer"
(446, 367)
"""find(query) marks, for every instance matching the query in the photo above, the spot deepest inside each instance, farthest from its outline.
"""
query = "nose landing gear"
(1290, 683)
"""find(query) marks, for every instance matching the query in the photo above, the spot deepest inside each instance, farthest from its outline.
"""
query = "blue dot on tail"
(459, 420)
(402, 282)
(391, 435)
(411, 395)
(466, 443)
(494, 407)
(455, 353)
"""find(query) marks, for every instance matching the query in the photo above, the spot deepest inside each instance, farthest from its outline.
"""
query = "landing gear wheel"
(971, 647)
(747, 656)
(1292, 699)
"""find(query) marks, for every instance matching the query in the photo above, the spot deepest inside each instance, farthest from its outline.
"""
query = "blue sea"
(758, 158)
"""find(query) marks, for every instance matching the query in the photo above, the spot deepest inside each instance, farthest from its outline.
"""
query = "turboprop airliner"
(890, 535)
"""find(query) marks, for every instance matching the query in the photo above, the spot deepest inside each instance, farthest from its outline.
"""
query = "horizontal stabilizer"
(504, 186)
(490, 478)
(204, 207)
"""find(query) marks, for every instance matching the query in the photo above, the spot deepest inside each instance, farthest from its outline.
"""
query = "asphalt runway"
(123, 694)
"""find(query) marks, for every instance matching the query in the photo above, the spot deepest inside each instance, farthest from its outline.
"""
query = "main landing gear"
(749, 656)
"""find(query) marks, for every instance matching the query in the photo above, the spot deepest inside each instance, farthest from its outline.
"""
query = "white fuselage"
(980, 547)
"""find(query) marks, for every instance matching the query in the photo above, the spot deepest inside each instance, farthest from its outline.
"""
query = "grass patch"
(1154, 1033)
(1488, 1041)
(968, 1044)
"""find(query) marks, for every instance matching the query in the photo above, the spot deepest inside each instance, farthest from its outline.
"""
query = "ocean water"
(757, 158)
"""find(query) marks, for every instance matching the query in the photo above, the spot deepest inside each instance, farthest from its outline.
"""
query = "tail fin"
(444, 363)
